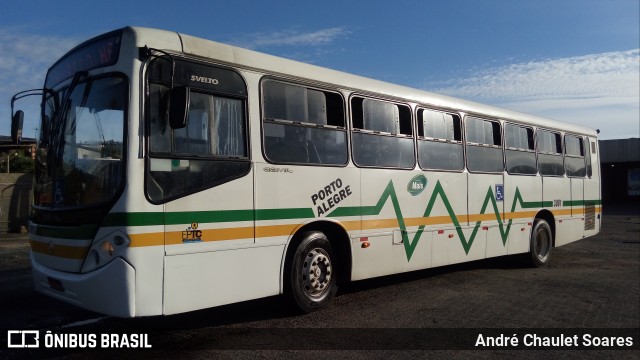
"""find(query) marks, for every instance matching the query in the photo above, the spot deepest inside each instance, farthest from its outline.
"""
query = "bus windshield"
(80, 151)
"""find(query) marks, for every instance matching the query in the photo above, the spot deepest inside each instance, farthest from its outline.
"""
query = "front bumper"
(108, 290)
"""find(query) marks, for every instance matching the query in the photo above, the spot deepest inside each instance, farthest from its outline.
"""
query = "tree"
(18, 162)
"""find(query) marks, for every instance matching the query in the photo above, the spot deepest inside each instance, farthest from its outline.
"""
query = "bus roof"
(270, 64)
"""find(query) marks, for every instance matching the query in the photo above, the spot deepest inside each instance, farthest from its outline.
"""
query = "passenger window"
(303, 125)
(550, 160)
(484, 145)
(382, 134)
(520, 153)
(574, 162)
(439, 141)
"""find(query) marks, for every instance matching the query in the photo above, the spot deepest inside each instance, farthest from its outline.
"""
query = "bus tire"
(312, 273)
(541, 244)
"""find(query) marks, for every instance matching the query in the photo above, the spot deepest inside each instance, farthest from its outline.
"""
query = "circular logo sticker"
(417, 185)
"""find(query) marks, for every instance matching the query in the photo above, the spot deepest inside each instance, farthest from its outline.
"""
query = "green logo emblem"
(417, 185)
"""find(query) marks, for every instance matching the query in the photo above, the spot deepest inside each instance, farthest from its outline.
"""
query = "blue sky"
(571, 60)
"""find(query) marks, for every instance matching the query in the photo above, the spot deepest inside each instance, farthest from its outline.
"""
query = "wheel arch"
(547, 216)
(340, 243)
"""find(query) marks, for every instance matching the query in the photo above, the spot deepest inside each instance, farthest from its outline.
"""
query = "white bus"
(175, 173)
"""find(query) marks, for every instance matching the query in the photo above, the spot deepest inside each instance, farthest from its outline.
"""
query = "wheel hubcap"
(543, 244)
(316, 272)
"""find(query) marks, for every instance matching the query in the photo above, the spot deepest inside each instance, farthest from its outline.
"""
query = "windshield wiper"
(79, 76)
(57, 136)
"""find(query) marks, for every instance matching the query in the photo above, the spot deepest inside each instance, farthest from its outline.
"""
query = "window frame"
(173, 155)
(582, 156)
(468, 143)
(427, 139)
(589, 150)
(507, 148)
(557, 135)
(367, 132)
(264, 120)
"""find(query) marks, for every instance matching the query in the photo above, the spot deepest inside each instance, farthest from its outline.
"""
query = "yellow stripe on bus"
(561, 212)
(520, 215)
(433, 220)
(149, 239)
(63, 251)
(176, 237)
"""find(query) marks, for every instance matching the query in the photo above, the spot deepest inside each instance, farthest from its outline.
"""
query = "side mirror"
(16, 127)
(179, 107)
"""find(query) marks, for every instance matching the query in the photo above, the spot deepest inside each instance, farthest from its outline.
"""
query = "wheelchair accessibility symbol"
(499, 192)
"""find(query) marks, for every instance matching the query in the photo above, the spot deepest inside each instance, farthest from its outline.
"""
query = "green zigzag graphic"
(409, 247)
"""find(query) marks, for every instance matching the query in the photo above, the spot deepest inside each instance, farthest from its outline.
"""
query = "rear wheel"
(540, 244)
(312, 276)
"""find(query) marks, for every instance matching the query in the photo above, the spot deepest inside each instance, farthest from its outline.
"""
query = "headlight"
(105, 250)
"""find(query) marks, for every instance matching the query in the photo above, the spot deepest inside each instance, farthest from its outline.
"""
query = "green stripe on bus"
(581, 202)
(188, 217)
(389, 193)
(409, 246)
(282, 214)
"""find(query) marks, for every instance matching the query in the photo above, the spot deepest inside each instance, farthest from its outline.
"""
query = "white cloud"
(292, 38)
(24, 60)
(599, 91)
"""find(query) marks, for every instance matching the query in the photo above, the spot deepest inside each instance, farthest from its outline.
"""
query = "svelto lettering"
(204, 80)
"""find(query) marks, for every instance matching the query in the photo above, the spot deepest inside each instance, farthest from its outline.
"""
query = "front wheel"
(540, 244)
(312, 275)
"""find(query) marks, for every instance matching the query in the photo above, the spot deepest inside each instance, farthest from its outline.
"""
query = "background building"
(620, 164)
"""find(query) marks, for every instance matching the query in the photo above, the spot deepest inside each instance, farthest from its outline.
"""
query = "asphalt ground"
(591, 288)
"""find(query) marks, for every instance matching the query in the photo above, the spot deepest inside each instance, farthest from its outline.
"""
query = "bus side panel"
(557, 191)
(448, 247)
(202, 232)
(198, 281)
(523, 197)
(149, 278)
(288, 196)
(486, 198)
(456, 245)
(572, 229)
(411, 208)
(382, 211)
(420, 259)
